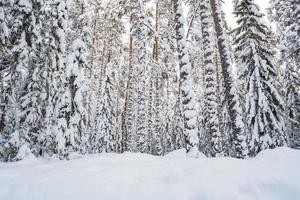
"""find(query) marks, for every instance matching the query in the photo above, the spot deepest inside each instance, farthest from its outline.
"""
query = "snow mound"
(273, 175)
(279, 154)
(181, 153)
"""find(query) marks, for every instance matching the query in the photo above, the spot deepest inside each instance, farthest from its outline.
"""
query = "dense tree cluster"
(92, 76)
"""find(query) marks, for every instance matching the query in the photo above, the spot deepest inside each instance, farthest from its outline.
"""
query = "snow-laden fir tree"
(194, 36)
(96, 12)
(106, 136)
(158, 116)
(53, 55)
(186, 91)
(178, 138)
(158, 135)
(286, 15)
(4, 58)
(65, 142)
(129, 112)
(75, 74)
(231, 99)
(22, 73)
(165, 73)
(150, 111)
(33, 102)
(141, 132)
(212, 132)
(264, 105)
(11, 79)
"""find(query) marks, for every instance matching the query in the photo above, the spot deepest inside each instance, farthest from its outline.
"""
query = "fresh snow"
(272, 175)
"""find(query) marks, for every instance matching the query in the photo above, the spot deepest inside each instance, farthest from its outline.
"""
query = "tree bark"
(231, 95)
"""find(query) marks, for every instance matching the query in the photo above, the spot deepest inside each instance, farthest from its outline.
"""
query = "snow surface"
(272, 175)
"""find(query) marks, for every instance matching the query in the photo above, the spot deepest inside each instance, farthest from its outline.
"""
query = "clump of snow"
(273, 175)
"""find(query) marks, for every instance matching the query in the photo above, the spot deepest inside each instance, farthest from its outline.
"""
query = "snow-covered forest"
(115, 76)
(149, 100)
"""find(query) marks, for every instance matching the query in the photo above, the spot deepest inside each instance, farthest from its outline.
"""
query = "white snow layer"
(272, 175)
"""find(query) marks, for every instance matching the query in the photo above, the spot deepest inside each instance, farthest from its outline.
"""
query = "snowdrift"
(272, 175)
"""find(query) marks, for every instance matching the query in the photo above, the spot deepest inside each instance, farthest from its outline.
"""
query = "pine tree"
(212, 132)
(186, 92)
(163, 76)
(24, 93)
(75, 75)
(264, 105)
(286, 15)
(53, 46)
(231, 96)
(107, 136)
(5, 7)
(141, 136)
(65, 142)
(194, 36)
(129, 113)
(158, 148)
(178, 127)
(150, 112)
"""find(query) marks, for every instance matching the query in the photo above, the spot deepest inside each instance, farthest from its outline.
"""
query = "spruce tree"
(107, 135)
(141, 136)
(129, 113)
(77, 66)
(65, 142)
(286, 15)
(5, 7)
(23, 70)
(264, 105)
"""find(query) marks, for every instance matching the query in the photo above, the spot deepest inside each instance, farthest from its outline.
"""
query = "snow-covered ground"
(272, 175)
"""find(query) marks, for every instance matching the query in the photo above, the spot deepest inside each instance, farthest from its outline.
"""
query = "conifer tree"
(186, 91)
(212, 132)
(75, 74)
(264, 105)
(65, 142)
(286, 15)
(106, 136)
(24, 91)
(5, 7)
(129, 113)
(231, 96)
(141, 136)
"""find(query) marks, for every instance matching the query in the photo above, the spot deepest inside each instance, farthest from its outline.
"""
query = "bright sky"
(228, 8)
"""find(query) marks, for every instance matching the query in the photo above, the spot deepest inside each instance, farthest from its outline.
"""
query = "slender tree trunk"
(129, 99)
(156, 31)
(142, 142)
(186, 90)
(231, 95)
(212, 132)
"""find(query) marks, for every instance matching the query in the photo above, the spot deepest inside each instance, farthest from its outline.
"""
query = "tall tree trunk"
(186, 90)
(142, 141)
(129, 99)
(212, 132)
(156, 30)
(231, 95)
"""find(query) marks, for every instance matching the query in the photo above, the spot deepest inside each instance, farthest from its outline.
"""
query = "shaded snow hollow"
(272, 175)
